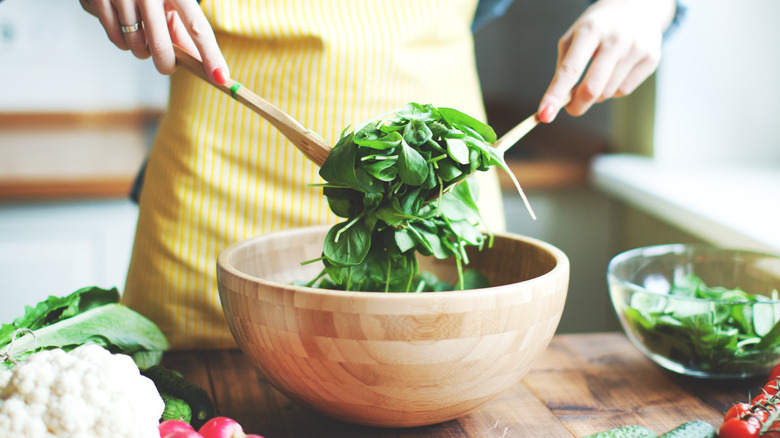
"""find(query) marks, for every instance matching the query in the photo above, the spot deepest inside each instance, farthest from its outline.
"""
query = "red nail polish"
(547, 114)
(220, 75)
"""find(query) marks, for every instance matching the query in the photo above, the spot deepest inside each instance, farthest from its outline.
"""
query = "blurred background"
(692, 156)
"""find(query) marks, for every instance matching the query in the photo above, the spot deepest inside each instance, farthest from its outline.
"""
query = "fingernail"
(220, 75)
(547, 114)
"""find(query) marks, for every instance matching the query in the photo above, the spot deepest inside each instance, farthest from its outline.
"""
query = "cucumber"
(692, 429)
(625, 432)
(175, 409)
(174, 385)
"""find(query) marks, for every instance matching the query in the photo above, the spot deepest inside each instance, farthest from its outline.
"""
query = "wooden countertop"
(584, 383)
(71, 155)
(736, 207)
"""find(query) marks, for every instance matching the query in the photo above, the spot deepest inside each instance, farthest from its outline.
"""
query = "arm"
(161, 23)
(612, 47)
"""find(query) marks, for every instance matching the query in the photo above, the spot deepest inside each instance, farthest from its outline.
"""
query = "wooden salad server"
(310, 143)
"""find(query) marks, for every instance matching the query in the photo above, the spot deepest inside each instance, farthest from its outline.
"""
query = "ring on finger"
(132, 28)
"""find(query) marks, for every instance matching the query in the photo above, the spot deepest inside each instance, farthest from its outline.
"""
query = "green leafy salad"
(88, 315)
(401, 185)
(736, 331)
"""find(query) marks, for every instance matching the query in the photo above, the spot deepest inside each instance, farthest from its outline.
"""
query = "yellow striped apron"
(218, 173)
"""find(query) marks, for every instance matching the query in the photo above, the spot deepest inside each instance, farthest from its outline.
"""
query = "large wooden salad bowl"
(391, 359)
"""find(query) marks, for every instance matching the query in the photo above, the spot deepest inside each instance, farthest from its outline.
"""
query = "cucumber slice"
(625, 432)
(692, 429)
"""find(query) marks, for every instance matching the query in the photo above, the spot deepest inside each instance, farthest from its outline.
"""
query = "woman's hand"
(160, 24)
(621, 39)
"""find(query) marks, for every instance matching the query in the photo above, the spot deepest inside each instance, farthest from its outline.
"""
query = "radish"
(176, 429)
(222, 427)
(183, 434)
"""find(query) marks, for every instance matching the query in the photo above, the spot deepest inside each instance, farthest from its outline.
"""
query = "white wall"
(56, 57)
(717, 88)
(52, 248)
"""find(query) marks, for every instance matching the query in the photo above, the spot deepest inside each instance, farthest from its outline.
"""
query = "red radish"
(183, 434)
(222, 427)
(168, 427)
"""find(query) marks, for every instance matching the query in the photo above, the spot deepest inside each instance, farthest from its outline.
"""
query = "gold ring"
(131, 28)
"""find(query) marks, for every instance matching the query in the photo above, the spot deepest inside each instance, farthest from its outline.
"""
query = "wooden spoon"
(311, 144)
(514, 135)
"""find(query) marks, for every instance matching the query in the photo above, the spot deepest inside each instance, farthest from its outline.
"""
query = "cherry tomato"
(736, 428)
(774, 373)
(771, 387)
(759, 399)
(737, 411)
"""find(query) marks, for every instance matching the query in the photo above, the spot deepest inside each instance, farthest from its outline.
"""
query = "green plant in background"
(402, 186)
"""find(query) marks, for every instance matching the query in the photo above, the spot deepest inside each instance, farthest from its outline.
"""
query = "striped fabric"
(218, 173)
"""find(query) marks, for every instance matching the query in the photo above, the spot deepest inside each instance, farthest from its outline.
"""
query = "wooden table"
(584, 383)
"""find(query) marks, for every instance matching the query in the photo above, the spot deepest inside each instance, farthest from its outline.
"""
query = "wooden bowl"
(391, 359)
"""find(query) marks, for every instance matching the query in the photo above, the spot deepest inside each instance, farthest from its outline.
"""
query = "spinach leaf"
(735, 332)
(412, 168)
(381, 179)
(376, 139)
(458, 150)
(347, 243)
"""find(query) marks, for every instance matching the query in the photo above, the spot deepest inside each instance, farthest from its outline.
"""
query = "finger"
(110, 21)
(158, 39)
(203, 36)
(592, 86)
(638, 74)
(570, 69)
(563, 46)
(619, 75)
(179, 33)
(129, 16)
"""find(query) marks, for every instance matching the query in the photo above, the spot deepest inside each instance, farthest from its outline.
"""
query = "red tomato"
(759, 399)
(736, 428)
(771, 387)
(774, 374)
(737, 411)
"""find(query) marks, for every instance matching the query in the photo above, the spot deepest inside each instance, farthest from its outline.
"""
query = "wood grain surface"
(583, 383)
(392, 359)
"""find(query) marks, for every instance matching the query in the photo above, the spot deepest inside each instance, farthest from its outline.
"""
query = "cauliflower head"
(85, 393)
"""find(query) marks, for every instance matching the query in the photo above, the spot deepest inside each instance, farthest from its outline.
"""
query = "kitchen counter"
(582, 384)
(71, 155)
(726, 204)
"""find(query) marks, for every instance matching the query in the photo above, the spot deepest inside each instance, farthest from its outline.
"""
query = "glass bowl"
(700, 310)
